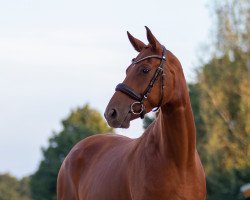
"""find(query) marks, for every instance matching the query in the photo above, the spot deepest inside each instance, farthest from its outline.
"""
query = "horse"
(162, 164)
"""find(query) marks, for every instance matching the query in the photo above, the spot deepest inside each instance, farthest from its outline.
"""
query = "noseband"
(140, 98)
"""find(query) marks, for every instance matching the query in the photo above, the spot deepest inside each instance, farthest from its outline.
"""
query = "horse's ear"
(152, 40)
(137, 44)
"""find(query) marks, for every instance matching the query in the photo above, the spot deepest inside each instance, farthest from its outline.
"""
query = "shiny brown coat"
(162, 164)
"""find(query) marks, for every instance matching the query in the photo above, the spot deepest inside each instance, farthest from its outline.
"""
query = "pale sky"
(56, 55)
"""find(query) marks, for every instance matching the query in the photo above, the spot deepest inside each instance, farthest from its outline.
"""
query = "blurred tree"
(225, 184)
(232, 26)
(13, 189)
(201, 137)
(225, 112)
(225, 108)
(224, 87)
(80, 124)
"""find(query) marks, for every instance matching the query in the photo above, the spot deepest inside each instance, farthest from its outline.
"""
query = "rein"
(140, 98)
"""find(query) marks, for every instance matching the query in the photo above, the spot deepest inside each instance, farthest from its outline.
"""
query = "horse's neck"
(175, 130)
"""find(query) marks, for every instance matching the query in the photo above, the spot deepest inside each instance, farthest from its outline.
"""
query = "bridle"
(140, 98)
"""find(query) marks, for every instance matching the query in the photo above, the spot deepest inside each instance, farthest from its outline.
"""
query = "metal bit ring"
(137, 112)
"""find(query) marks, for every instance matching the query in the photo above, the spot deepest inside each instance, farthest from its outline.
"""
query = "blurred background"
(61, 60)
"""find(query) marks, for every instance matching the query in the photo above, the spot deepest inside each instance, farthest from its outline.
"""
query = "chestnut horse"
(163, 163)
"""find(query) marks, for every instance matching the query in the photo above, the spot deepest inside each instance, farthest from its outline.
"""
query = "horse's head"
(148, 84)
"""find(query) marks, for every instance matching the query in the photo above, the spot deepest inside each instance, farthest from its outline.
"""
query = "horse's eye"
(145, 70)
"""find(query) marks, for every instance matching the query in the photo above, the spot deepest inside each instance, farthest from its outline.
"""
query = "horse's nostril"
(112, 113)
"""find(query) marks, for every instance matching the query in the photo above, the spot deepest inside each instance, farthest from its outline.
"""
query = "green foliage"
(222, 183)
(80, 124)
(14, 189)
(224, 108)
(225, 184)
(222, 102)
(194, 93)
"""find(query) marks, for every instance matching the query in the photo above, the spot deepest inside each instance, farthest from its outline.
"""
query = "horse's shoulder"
(93, 146)
(100, 140)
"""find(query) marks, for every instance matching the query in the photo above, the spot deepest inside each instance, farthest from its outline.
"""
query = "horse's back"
(85, 167)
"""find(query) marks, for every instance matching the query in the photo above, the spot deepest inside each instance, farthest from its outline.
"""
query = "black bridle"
(140, 98)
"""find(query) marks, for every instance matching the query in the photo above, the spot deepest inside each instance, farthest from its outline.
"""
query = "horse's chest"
(105, 183)
(160, 190)
(161, 183)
